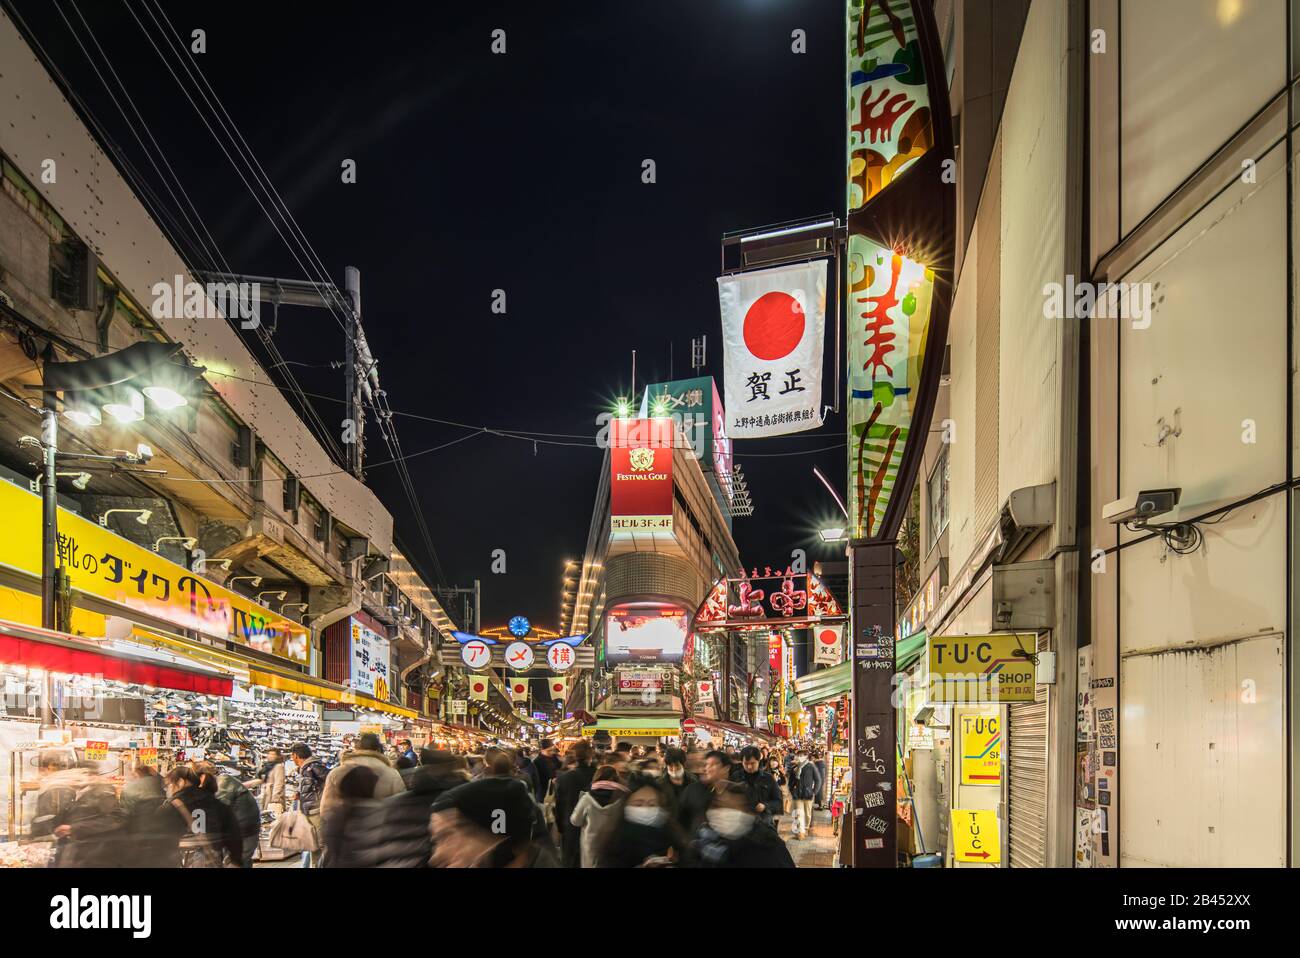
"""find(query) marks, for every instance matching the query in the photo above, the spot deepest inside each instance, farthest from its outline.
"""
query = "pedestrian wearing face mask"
(733, 837)
(676, 777)
(647, 837)
(804, 785)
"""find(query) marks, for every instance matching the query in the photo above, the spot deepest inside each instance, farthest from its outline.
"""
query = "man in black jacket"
(407, 841)
(568, 788)
(311, 786)
(762, 788)
(547, 765)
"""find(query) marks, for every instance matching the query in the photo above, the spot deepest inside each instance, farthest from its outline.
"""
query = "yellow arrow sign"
(975, 836)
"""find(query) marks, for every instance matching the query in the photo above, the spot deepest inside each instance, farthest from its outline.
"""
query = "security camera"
(1143, 507)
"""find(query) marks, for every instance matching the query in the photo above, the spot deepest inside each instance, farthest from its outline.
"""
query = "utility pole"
(50, 511)
(355, 413)
(361, 376)
(49, 539)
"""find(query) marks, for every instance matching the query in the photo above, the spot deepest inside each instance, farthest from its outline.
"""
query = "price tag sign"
(96, 751)
(149, 756)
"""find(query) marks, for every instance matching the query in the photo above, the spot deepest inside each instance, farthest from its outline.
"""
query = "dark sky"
(519, 172)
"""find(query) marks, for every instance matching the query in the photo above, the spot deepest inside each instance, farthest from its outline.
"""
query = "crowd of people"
(588, 807)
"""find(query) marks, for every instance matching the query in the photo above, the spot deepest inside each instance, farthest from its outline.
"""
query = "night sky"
(520, 172)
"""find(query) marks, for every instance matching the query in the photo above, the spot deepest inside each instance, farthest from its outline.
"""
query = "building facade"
(1125, 236)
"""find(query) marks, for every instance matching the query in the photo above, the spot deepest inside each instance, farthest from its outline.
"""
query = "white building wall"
(1033, 249)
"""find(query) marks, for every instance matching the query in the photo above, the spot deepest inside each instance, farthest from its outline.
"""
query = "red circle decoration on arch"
(774, 326)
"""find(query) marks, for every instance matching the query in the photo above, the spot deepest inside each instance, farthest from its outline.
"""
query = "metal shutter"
(1027, 778)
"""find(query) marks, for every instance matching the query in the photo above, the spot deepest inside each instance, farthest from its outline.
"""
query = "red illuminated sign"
(641, 475)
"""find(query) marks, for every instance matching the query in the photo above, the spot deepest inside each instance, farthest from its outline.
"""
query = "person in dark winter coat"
(242, 804)
(762, 788)
(677, 779)
(407, 841)
(92, 829)
(547, 764)
(311, 779)
(699, 796)
(153, 827)
(526, 769)
(647, 837)
(818, 762)
(569, 787)
(353, 825)
(468, 823)
(211, 837)
(733, 837)
(311, 788)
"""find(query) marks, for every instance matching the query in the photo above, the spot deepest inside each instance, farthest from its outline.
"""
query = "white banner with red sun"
(773, 331)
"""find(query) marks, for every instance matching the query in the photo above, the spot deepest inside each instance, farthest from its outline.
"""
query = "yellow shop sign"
(103, 564)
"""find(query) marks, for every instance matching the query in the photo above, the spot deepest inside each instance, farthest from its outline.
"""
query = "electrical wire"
(311, 416)
(319, 475)
(210, 248)
(379, 402)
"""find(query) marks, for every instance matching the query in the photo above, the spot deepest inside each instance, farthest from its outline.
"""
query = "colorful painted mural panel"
(889, 118)
(888, 320)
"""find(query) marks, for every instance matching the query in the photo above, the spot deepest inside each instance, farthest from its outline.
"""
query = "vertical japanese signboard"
(900, 213)
(641, 476)
(369, 669)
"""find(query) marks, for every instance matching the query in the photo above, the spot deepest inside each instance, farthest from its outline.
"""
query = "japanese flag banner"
(703, 693)
(773, 332)
(518, 690)
(478, 688)
(829, 641)
(559, 688)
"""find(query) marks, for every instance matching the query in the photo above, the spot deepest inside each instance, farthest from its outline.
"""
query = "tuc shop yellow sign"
(109, 567)
(968, 669)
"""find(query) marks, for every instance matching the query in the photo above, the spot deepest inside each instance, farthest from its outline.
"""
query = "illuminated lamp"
(172, 385)
(83, 410)
(125, 404)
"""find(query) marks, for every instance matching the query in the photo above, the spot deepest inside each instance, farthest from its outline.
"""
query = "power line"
(210, 247)
(320, 475)
(312, 417)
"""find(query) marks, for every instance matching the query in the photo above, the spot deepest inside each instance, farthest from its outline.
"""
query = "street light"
(80, 480)
(142, 516)
(201, 565)
(83, 383)
(126, 404)
(833, 534)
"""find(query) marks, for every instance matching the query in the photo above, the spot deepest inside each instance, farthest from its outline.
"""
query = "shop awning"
(909, 650)
(735, 728)
(826, 684)
(648, 726)
(58, 652)
(325, 691)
